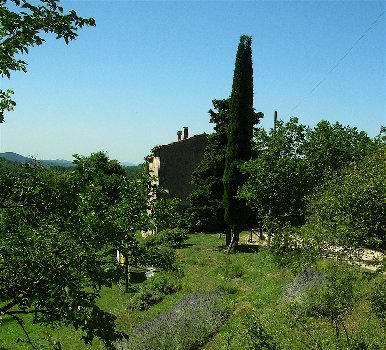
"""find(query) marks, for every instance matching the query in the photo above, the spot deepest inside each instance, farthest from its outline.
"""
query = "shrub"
(284, 240)
(187, 326)
(328, 293)
(153, 290)
(378, 301)
(173, 237)
(161, 257)
(255, 334)
(350, 209)
(169, 237)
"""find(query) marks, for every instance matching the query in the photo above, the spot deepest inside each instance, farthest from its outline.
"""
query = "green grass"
(254, 284)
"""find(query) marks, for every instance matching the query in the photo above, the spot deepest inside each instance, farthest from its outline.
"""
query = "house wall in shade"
(175, 163)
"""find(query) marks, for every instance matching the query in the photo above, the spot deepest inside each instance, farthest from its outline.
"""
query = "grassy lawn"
(254, 285)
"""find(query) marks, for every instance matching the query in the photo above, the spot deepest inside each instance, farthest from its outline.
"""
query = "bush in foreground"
(188, 325)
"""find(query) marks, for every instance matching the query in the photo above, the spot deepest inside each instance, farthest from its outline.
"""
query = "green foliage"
(284, 241)
(280, 162)
(55, 243)
(133, 170)
(165, 213)
(255, 335)
(239, 135)
(332, 147)
(333, 297)
(349, 210)
(162, 257)
(58, 235)
(260, 290)
(329, 294)
(173, 238)
(10, 167)
(293, 160)
(102, 172)
(154, 290)
(378, 300)
(207, 211)
(22, 29)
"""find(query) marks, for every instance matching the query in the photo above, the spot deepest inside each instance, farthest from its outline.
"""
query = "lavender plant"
(309, 278)
(188, 325)
(329, 294)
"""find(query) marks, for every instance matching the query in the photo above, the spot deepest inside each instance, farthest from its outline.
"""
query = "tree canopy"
(58, 238)
(294, 160)
(350, 208)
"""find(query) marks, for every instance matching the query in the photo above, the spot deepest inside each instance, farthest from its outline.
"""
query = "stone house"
(173, 164)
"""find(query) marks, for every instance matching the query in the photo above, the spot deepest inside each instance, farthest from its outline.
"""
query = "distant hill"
(14, 157)
(129, 164)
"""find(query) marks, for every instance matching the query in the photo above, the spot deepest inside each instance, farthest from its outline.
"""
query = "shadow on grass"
(137, 276)
(247, 248)
(186, 245)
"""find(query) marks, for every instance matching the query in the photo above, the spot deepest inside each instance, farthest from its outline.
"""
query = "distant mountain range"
(48, 163)
(14, 157)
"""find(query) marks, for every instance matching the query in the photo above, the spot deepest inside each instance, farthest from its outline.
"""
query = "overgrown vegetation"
(59, 236)
(261, 303)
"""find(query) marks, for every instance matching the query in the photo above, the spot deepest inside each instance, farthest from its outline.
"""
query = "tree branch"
(21, 324)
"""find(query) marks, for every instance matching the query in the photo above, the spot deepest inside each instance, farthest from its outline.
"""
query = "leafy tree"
(207, 210)
(10, 167)
(332, 147)
(277, 178)
(239, 136)
(21, 27)
(293, 161)
(350, 209)
(58, 239)
(99, 170)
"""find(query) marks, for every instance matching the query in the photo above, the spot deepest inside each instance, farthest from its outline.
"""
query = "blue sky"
(151, 67)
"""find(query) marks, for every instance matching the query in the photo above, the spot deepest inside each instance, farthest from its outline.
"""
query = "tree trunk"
(236, 238)
(127, 279)
(228, 236)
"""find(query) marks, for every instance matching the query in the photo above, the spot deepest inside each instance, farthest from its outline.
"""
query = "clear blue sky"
(151, 67)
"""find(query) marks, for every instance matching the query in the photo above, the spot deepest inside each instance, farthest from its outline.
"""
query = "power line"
(372, 25)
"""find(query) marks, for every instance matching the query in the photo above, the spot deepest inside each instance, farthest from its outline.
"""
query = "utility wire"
(372, 25)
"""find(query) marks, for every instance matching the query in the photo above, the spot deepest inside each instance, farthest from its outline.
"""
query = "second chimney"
(179, 135)
(186, 132)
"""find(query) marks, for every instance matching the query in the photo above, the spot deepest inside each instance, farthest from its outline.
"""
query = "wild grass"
(255, 291)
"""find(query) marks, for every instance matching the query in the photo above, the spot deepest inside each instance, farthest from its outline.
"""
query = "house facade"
(173, 164)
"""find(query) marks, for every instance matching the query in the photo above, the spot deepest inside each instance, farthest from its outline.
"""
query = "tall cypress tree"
(239, 134)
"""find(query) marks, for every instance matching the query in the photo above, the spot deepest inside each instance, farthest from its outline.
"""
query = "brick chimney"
(179, 135)
(186, 132)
